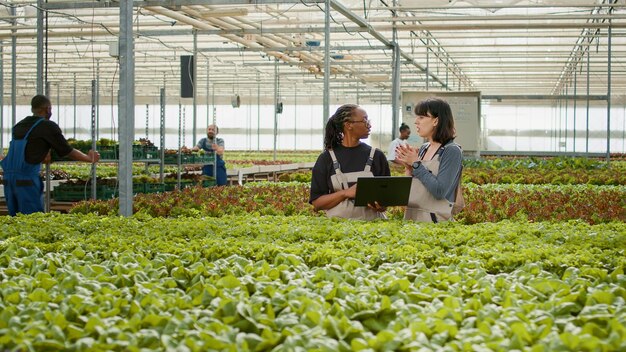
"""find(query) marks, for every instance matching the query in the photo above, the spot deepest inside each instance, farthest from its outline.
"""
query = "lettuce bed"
(237, 283)
(485, 203)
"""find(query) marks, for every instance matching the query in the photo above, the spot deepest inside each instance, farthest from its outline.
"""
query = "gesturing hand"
(406, 155)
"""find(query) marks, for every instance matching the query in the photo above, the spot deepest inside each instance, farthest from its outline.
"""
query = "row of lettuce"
(249, 283)
(562, 170)
(484, 203)
(481, 176)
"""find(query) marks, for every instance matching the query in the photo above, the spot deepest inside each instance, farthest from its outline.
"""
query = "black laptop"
(386, 190)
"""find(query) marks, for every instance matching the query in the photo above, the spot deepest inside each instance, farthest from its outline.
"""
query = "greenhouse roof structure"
(506, 49)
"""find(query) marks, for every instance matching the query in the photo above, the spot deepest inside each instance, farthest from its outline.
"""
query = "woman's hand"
(377, 207)
(406, 155)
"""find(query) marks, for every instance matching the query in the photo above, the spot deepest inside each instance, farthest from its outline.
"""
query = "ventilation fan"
(235, 101)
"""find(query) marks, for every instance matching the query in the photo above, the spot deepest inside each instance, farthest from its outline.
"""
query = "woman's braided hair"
(334, 127)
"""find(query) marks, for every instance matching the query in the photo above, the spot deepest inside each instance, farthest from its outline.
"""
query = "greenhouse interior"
(210, 212)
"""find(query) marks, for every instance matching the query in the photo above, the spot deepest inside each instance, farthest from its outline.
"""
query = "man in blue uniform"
(210, 144)
(33, 137)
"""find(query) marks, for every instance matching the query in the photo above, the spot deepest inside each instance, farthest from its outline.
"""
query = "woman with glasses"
(436, 166)
(345, 158)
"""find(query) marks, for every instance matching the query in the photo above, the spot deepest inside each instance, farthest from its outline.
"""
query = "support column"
(395, 91)
(587, 124)
(295, 117)
(258, 111)
(326, 106)
(14, 69)
(208, 64)
(608, 97)
(39, 87)
(395, 87)
(162, 134)
(98, 100)
(94, 88)
(74, 103)
(1, 98)
(566, 111)
(194, 123)
(428, 65)
(275, 105)
(40, 28)
(58, 100)
(560, 125)
(447, 70)
(126, 108)
(575, 101)
(147, 121)
(179, 157)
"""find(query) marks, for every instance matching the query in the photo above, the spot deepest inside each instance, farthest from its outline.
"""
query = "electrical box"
(465, 109)
(114, 49)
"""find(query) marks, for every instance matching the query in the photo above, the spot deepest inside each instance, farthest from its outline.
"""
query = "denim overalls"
(23, 188)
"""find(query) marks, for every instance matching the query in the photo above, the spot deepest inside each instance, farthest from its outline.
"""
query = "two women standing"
(435, 166)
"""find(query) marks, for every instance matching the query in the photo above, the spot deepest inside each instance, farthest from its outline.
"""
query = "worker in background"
(33, 137)
(211, 144)
(405, 132)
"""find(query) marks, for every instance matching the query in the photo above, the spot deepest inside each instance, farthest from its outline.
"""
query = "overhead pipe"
(403, 28)
(505, 18)
(269, 40)
(203, 25)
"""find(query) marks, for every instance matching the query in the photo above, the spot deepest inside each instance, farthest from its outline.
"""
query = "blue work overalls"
(220, 166)
(23, 188)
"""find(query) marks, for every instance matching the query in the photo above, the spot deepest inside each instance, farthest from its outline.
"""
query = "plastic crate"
(150, 152)
(170, 159)
(74, 193)
(173, 158)
(111, 152)
(204, 159)
(154, 187)
(171, 186)
(143, 152)
(186, 158)
(139, 188)
(187, 183)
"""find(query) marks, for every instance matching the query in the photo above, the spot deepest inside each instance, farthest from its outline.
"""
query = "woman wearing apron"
(344, 160)
(436, 166)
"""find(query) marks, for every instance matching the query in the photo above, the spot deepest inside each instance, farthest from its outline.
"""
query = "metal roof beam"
(287, 48)
(372, 31)
(163, 3)
(543, 97)
(360, 22)
(502, 26)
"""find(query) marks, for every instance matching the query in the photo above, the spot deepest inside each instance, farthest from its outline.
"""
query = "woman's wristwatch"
(416, 165)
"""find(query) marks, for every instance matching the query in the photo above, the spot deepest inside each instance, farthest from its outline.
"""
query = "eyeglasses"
(365, 121)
